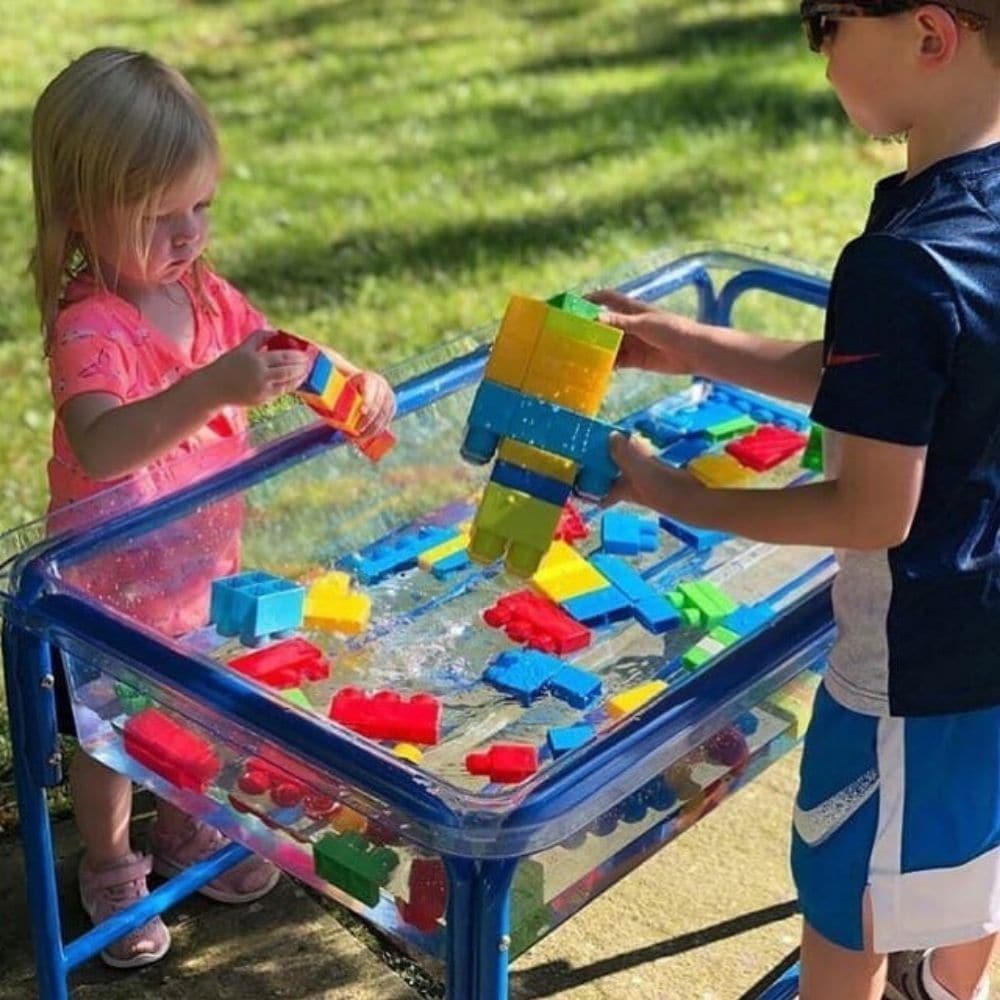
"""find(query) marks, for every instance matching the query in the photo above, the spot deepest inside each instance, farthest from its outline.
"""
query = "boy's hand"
(250, 374)
(647, 481)
(654, 340)
(378, 403)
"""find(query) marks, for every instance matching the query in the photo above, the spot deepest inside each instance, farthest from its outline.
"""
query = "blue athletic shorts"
(908, 808)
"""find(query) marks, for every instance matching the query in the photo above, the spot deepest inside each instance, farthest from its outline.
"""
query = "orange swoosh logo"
(833, 360)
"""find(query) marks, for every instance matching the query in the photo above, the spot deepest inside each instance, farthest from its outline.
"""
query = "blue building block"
(748, 618)
(523, 673)
(444, 568)
(318, 376)
(574, 686)
(628, 534)
(499, 411)
(567, 738)
(599, 607)
(760, 408)
(681, 452)
(700, 539)
(395, 554)
(517, 477)
(256, 605)
(654, 612)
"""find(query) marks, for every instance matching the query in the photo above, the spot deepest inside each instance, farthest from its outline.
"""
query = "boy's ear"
(938, 34)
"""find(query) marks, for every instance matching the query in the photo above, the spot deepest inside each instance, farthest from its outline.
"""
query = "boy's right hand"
(250, 374)
(654, 340)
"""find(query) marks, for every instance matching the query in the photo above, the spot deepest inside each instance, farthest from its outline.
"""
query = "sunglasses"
(819, 17)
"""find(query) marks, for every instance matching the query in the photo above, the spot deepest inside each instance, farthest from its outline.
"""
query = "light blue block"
(628, 534)
(563, 740)
(318, 376)
(523, 673)
(444, 568)
(681, 452)
(599, 607)
(395, 554)
(654, 612)
(748, 618)
(255, 605)
(700, 539)
(577, 687)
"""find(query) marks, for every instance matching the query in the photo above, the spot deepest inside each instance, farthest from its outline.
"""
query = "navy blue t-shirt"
(912, 356)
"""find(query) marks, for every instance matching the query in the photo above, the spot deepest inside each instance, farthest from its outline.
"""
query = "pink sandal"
(175, 850)
(112, 888)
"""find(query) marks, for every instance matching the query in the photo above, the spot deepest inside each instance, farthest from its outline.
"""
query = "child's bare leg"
(959, 968)
(102, 802)
(170, 819)
(830, 972)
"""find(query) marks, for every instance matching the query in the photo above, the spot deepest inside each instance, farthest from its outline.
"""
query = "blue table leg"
(786, 988)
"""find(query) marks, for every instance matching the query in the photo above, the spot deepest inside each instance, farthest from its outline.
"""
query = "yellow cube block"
(719, 470)
(516, 341)
(330, 605)
(571, 373)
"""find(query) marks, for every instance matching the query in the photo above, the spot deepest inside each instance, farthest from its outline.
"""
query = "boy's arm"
(871, 504)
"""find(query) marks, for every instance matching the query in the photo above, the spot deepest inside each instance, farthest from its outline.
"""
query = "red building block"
(571, 527)
(428, 894)
(169, 749)
(506, 763)
(386, 715)
(767, 447)
(281, 340)
(284, 665)
(537, 622)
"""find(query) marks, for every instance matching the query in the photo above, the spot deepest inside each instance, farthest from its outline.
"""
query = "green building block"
(730, 428)
(703, 599)
(297, 697)
(529, 916)
(351, 863)
(812, 458)
(708, 646)
(571, 303)
(133, 701)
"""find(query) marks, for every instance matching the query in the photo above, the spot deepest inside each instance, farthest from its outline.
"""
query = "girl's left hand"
(647, 481)
(378, 403)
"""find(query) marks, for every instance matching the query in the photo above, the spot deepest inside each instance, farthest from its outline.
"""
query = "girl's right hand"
(654, 340)
(250, 374)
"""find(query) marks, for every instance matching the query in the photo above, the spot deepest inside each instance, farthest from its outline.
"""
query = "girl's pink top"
(101, 343)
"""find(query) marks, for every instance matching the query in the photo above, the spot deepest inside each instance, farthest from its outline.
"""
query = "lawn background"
(395, 169)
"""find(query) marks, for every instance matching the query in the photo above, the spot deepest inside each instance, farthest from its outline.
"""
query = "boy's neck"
(975, 125)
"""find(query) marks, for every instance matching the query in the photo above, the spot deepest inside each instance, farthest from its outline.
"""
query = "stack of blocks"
(546, 377)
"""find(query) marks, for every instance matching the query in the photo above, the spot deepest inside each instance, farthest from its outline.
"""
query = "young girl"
(152, 358)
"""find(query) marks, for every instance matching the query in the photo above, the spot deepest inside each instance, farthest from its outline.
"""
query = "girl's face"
(175, 229)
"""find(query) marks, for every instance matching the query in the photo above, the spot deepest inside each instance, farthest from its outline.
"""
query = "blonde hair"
(109, 135)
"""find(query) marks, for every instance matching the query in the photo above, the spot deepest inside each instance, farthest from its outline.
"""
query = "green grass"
(396, 169)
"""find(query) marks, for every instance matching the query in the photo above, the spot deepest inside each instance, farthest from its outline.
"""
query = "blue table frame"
(478, 908)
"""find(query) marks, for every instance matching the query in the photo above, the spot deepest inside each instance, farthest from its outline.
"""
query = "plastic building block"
(563, 740)
(538, 623)
(813, 455)
(698, 419)
(331, 605)
(170, 750)
(515, 343)
(767, 447)
(719, 471)
(428, 895)
(286, 664)
(351, 863)
(457, 561)
(525, 480)
(296, 696)
(386, 715)
(763, 409)
(282, 340)
(395, 554)
(564, 574)
(599, 607)
(514, 523)
(571, 527)
(701, 603)
(681, 452)
(730, 428)
(628, 534)
(626, 702)
(575, 686)
(443, 553)
(522, 673)
(794, 703)
(654, 612)
(504, 763)
(132, 700)
(256, 605)
(575, 304)
(748, 618)
(700, 539)
(408, 751)
(708, 646)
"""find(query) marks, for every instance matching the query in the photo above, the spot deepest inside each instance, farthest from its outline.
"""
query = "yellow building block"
(330, 605)
(564, 574)
(626, 702)
(719, 470)
(515, 341)
(427, 559)
(408, 752)
(543, 462)
(570, 373)
(512, 522)
(794, 703)
(347, 820)
(331, 393)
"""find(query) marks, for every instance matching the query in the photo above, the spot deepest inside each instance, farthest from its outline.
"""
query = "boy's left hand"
(647, 481)
(378, 403)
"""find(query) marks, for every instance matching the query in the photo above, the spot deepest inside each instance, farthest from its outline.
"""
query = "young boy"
(896, 841)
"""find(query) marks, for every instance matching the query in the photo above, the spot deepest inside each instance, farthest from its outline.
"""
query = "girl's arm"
(111, 439)
(871, 504)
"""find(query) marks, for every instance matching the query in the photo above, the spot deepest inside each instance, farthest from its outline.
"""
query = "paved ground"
(705, 919)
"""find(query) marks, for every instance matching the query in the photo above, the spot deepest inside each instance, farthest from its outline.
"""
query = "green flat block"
(297, 697)
(575, 304)
(723, 635)
(351, 863)
(730, 428)
(132, 701)
(695, 657)
(812, 458)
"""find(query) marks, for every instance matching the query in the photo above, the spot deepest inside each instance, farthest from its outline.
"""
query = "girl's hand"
(378, 403)
(654, 340)
(250, 374)
(647, 481)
